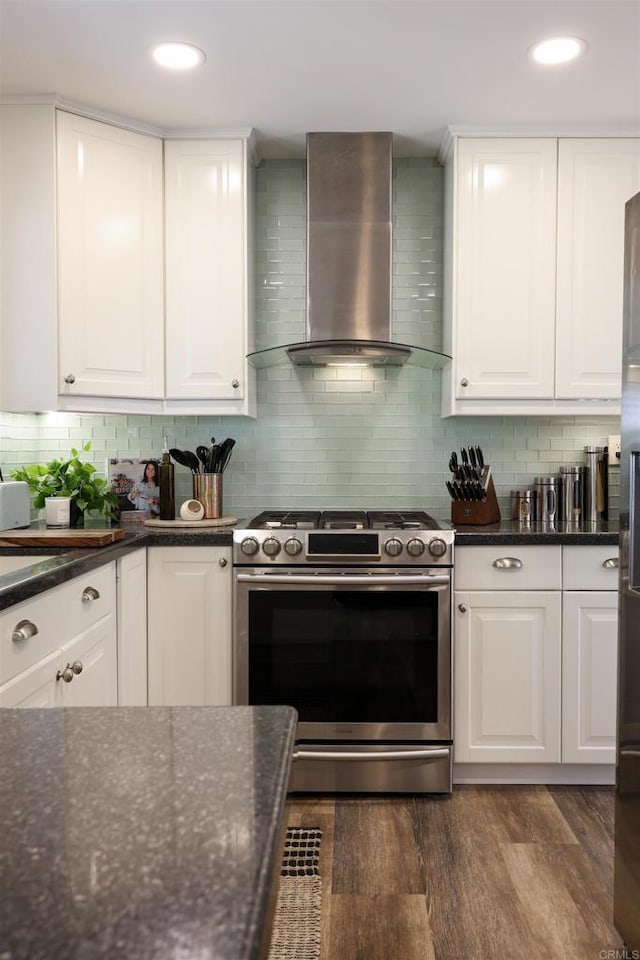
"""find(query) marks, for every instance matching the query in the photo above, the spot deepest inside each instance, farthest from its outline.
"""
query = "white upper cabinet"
(504, 268)
(110, 299)
(595, 179)
(83, 271)
(206, 268)
(534, 231)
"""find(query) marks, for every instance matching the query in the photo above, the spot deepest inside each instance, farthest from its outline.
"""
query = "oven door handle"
(379, 755)
(349, 580)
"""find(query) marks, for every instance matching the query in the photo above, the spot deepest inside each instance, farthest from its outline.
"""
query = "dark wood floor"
(484, 874)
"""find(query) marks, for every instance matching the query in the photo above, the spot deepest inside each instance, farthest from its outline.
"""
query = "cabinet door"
(35, 687)
(504, 263)
(595, 179)
(507, 677)
(589, 676)
(95, 649)
(206, 268)
(132, 629)
(110, 283)
(189, 610)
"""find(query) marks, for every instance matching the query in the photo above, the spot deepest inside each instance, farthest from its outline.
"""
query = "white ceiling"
(288, 66)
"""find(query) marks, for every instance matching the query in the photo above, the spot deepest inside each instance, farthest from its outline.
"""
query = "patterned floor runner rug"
(296, 925)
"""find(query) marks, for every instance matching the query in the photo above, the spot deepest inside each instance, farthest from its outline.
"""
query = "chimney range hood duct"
(348, 258)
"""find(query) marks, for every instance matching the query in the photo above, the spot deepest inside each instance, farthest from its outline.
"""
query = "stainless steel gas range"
(346, 615)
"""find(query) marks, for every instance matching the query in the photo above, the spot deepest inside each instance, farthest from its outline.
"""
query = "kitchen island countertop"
(140, 832)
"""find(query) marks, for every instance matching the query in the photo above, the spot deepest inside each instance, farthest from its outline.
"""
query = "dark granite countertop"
(140, 833)
(65, 564)
(507, 532)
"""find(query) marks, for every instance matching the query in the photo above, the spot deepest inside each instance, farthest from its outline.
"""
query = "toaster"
(15, 504)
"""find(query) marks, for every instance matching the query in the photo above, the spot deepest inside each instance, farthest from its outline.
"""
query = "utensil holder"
(477, 511)
(207, 488)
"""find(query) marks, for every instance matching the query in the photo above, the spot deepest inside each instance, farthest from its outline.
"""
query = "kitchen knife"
(463, 454)
(480, 458)
(472, 458)
(453, 462)
(451, 489)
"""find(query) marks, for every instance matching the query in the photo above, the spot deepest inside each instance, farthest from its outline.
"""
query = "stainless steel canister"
(549, 499)
(573, 493)
(523, 504)
(597, 484)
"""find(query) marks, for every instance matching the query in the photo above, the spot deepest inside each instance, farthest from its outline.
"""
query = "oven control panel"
(424, 548)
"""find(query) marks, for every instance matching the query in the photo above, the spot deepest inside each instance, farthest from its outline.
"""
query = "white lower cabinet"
(132, 629)
(535, 669)
(589, 654)
(59, 649)
(507, 654)
(589, 672)
(189, 639)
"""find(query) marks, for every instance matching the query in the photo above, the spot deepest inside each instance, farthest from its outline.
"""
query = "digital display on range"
(343, 544)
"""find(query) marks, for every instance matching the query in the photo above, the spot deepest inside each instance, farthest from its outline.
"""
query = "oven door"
(362, 654)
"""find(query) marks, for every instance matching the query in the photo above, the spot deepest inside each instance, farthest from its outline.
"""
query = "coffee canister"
(523, 503)
(573, 493)
(597, 484)
(549, 499)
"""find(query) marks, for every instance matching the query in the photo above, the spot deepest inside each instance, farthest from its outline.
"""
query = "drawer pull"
(67, 674)
(90, 593)
(77, 667)
(611, 564)
(462, 607)
(508, 563)
(23, 630)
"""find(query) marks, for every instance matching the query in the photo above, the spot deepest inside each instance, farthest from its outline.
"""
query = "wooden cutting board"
(60, 538)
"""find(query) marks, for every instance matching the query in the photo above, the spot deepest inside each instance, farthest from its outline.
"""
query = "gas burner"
(286, 520)
(401, 520)
(343, 520)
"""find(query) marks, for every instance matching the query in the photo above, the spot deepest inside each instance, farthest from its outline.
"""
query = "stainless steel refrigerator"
(627, 808)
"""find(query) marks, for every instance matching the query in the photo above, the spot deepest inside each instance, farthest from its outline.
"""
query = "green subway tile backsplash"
(331, 437)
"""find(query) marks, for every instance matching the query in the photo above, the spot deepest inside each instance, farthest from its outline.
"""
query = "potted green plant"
(72, 478)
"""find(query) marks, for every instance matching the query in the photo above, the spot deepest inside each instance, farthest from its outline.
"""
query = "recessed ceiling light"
(178, 56)
(558, 50)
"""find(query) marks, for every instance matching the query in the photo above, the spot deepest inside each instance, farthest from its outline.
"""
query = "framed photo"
(135, 483)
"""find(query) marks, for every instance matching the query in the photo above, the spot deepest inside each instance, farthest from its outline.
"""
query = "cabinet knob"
(235, 384)
(462, 607)
(222, 561)
(77, 667)
(464, 382)
(90, 593)
(508, 563)
(24, 630)
(611, 563)
(69, 378)
(67, 674)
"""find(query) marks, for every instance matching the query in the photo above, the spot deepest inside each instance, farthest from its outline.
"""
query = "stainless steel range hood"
(348, 258)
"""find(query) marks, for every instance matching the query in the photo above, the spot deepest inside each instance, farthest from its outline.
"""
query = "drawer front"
(508, 568)
(52, 618)
(590, 568)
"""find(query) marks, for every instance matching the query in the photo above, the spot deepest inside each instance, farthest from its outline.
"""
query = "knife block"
(475, 511)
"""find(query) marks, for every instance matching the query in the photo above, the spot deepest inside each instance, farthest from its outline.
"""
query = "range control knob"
(437, 547)
(271, 547)
(293, 546)
(415, 547)
(393, 547)
(249, 546)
